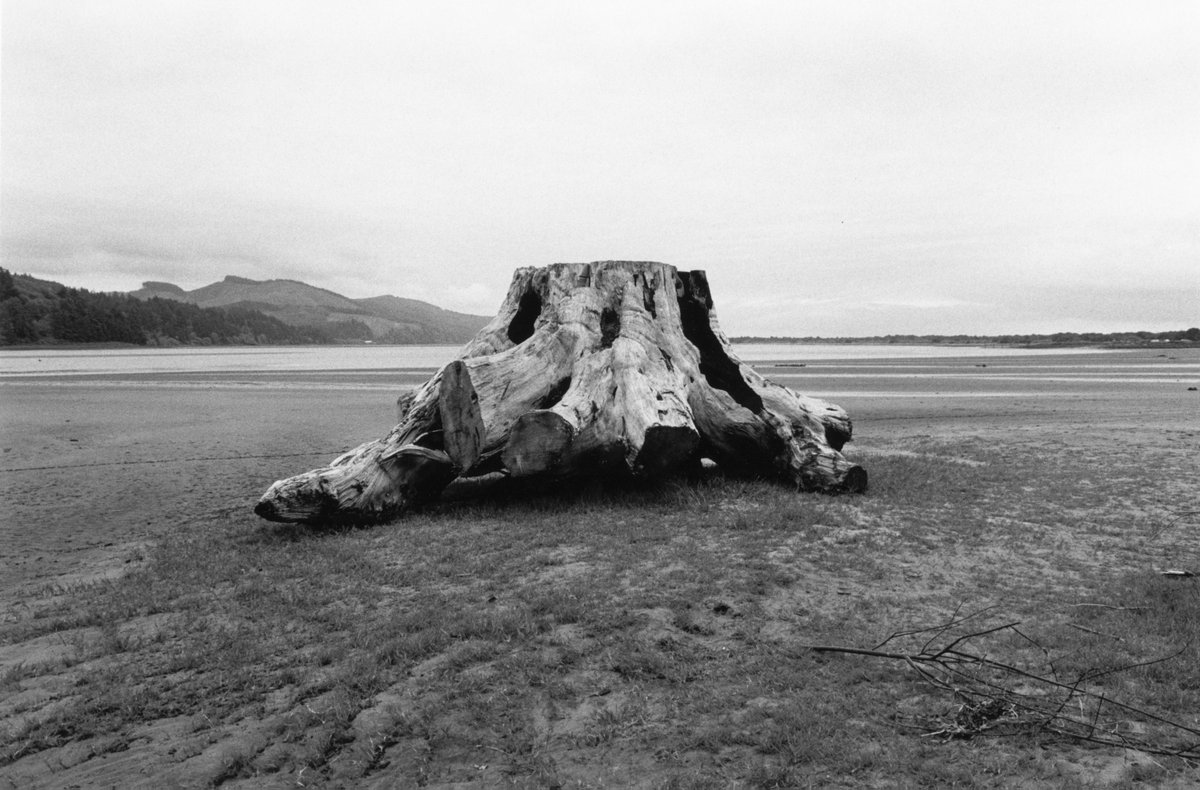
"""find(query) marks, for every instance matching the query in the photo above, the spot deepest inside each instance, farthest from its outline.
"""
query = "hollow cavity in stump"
(615, 367)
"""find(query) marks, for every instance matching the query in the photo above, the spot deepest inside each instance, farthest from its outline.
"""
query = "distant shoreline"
(993, 342)
(934, 341)
(110, 345)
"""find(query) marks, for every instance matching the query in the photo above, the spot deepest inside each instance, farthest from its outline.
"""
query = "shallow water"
(266, 359)
(829, 371)
(251, 359)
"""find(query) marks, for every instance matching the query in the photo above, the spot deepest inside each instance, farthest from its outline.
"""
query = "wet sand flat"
(212, 661)
(90, 467)
(94, 465)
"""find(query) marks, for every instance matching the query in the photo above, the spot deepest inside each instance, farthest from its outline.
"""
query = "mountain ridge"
(44, 312)
(386, 318)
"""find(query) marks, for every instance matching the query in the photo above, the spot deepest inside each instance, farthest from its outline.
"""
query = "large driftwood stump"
(589, 368)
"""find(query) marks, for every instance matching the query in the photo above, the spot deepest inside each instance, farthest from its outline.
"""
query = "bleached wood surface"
(606, 368)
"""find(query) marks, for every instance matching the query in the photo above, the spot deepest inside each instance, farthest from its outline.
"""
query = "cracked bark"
(613, 367)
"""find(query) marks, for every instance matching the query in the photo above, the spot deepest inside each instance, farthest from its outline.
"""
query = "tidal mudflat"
(156, 632)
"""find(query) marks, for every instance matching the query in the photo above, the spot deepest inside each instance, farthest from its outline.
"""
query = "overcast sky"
(838, 168)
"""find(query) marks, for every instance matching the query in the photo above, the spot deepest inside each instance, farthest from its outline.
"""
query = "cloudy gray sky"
(837, 167)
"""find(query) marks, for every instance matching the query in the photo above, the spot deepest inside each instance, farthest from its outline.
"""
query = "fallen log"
(607, 368)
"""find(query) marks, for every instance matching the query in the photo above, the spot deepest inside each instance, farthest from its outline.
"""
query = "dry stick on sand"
(991, 704)
(1108, 606)
(1175, 573)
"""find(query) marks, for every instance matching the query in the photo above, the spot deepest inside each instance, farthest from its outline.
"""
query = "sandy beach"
(1006, 482)
(93, 466)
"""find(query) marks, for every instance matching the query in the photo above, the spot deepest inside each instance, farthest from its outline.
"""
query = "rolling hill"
(387, 319)
(42, 312)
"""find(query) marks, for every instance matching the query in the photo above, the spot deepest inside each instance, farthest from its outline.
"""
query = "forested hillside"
(39, 311)
(382, 319)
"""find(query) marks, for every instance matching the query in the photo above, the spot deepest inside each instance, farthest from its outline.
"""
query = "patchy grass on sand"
(649, 638)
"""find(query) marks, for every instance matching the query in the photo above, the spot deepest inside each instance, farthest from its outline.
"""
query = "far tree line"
(37, 312)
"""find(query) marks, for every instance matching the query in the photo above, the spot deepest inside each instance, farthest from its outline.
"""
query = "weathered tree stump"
(615, 367)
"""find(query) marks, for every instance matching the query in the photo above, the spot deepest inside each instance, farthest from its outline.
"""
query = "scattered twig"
(939, 629)
(1110, 606)
(1087, 630)
(1180, 516)
(991, 702)
(1174, 573)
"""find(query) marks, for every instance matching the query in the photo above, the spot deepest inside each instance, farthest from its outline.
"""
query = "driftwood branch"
(991, 703)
